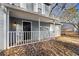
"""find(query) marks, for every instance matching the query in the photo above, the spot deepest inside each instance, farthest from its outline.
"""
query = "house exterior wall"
(57, 30)
(40, 8)
(7, 25)
(35, 26)
(3, 28)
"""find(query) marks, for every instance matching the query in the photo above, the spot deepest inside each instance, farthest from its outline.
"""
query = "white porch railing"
(23, 37)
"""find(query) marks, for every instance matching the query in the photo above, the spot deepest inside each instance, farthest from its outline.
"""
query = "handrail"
(24, 37)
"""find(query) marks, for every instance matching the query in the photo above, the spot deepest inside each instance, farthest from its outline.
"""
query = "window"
(16, 4)
(40, 8)
(11, 3)
(47, 9)
(29, 6)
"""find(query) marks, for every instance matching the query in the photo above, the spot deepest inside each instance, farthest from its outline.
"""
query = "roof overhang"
(47, 3)
(21, 13)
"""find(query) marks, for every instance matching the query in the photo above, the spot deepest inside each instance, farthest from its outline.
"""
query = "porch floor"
(61, 46)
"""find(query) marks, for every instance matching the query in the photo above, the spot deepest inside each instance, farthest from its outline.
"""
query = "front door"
(27, 30)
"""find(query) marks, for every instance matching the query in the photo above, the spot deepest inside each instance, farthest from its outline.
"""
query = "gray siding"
(57, 30)
(1, 29)
(35, 26)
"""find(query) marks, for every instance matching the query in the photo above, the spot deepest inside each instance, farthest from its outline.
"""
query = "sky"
(58, 12)
(77, 6)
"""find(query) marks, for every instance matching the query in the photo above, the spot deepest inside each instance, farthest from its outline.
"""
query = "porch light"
(14, 24)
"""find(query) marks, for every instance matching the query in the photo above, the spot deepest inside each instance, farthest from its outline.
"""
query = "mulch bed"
(46, 48)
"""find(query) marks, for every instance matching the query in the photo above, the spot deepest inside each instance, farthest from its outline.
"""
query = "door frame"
(26, 21)
(31, 26)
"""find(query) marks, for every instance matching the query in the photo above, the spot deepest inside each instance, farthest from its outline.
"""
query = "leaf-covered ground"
(61, 46)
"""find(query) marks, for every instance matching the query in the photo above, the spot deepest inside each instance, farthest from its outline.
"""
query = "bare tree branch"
(53, 8)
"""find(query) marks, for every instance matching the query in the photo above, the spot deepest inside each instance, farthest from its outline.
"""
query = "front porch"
(25, 27)
(23, 31)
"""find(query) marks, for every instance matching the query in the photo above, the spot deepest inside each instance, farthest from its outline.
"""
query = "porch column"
(54, 29)
(3, 25)
(2, 28)
(7, 25)
(39, 29)
(6, 29)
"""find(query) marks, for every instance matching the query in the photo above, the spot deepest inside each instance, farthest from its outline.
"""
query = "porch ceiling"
(29, 16)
